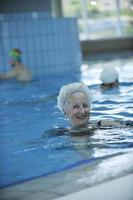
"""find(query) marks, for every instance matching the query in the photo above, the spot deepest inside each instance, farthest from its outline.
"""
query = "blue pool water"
(28, 111)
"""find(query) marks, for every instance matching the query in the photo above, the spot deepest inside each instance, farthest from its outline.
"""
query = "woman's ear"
(66, 113)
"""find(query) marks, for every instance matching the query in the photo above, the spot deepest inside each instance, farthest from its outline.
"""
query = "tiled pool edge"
(57, 185)
(33, 191)
(119, 188)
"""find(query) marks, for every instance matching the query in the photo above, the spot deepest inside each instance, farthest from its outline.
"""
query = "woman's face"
(78, 110)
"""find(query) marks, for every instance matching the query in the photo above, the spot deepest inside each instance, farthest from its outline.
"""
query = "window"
(101, 18)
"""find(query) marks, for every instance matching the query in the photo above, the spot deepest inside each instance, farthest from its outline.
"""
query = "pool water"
(28, 111)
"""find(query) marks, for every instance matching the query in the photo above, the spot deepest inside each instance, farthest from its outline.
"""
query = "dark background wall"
(10, 6)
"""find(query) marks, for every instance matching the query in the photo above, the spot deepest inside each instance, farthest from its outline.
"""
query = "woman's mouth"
(82, 117)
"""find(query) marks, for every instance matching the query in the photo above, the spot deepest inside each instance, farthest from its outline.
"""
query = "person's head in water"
(15, 57)
(109, 78)
(74, 101)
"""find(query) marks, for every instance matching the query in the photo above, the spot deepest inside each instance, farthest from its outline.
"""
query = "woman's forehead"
(78, 96)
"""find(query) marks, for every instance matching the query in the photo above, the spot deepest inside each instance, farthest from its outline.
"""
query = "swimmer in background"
(109, 78)
(18, 71)
(74, 101)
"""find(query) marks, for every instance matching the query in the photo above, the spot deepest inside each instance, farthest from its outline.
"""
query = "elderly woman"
(109, 78)
(74, 101)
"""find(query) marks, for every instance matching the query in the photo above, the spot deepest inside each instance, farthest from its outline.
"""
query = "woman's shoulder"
(93, 126)
(55, 132)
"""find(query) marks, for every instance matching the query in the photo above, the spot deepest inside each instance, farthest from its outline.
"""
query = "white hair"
(67, 90)
(109, 75)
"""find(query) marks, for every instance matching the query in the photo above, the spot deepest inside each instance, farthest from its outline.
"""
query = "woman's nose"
(82, 110)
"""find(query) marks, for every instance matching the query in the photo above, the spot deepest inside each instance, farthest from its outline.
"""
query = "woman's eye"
(75, 106)
(85, 106)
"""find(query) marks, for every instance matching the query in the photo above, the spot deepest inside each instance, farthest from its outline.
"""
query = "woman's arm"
(110, 123)
(114, 123)
(7, 75)
(2, 76)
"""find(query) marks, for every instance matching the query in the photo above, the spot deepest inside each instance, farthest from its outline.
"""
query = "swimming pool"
(28, 111)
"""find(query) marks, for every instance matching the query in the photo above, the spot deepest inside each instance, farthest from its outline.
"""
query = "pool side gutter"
(106, 45)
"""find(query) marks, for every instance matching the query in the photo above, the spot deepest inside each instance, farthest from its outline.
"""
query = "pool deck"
(76, 184)
(118, 189)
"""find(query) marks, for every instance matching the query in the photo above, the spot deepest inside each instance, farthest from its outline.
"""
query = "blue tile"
(38, 58)
(21, 28)
(28, 27)
(14, 42)
(45, 27)
(49, 26)
(31, 59)
(30, 43)
(44, 43)
(6, 45)
(50, 42)
(25, 58)
(35, 15)
(4, 30)
(37, 42)
(22, 45)
(13, 28)
(1, 46)
(1, 63)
